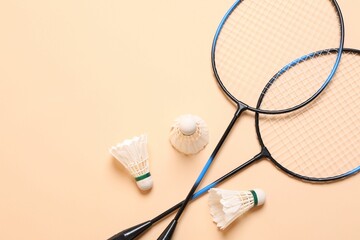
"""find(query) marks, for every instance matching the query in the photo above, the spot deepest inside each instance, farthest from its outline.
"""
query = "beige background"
(79, 76)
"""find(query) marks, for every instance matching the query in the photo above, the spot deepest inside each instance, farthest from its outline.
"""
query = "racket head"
(256, 38)
(319, 143)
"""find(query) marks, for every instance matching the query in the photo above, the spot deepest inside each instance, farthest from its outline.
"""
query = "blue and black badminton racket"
(319, 143)
(254, 40)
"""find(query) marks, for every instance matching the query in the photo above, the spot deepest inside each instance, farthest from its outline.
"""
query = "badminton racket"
(255, 39)
(317, 144)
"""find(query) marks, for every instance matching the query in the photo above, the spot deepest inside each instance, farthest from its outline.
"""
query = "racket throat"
(241, 107)
(264, 152)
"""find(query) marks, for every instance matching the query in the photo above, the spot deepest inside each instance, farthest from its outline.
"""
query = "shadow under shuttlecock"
(248, 216)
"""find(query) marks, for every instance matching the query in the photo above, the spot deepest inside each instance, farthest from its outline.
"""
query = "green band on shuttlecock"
(255, 197)
(139, 178)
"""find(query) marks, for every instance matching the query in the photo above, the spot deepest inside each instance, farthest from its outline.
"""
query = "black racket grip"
(168, 232)
(132, 232)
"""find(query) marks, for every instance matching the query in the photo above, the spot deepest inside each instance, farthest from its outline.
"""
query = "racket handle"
(169, 230)
(132, 232)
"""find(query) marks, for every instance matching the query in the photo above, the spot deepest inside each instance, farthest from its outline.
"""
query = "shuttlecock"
(189, 134)
(133, 155)
(227, 205)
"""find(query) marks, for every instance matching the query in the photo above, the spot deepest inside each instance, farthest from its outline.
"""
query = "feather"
(227, 205)
(133, 155)
(189, 134)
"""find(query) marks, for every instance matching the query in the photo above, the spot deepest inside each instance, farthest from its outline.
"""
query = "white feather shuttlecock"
(133, 155)
(227, 205)
(189, 134)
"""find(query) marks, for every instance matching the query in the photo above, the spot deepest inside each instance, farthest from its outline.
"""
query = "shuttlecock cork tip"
(259, 195)
(187, 125)
(145, 183)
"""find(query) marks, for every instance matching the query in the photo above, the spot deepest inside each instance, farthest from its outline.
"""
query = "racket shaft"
(211, 185)
(240, 109)
(135, 231)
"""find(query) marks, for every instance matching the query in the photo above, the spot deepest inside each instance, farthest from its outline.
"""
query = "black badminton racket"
(319, 143)
(255, 39)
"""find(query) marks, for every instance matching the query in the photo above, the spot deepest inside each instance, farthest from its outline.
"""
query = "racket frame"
(242, 105)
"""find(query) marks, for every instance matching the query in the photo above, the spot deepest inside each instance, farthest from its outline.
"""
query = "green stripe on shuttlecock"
(144, 181)
(133, 155)
(139, 178)
(255, 197)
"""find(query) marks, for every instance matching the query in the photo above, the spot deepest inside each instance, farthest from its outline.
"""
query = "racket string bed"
(271, 41)
(296, 83)
(319, 143)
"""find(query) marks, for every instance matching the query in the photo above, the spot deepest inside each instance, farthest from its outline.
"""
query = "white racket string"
(323, 139)
(261, 37)
(299, 83)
